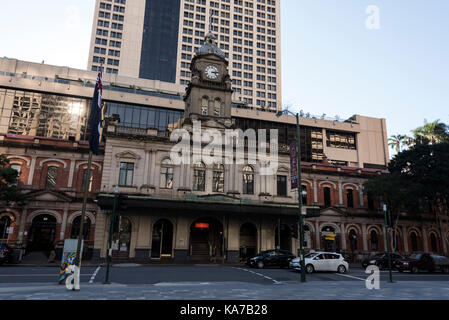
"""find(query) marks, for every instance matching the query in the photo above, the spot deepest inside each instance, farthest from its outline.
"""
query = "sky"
(381, 58)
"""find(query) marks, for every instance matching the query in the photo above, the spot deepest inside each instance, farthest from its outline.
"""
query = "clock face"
(211, 72)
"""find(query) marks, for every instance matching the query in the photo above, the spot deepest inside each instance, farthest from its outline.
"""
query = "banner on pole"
(68, 258)
(294, 165)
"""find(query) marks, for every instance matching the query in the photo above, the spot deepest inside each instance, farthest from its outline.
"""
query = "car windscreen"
(416, 256)
(310, 255)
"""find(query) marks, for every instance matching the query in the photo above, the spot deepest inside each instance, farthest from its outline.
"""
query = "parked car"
(5, 253)
(322, 261)
(279, 258)
(381, 260)
(423, 261)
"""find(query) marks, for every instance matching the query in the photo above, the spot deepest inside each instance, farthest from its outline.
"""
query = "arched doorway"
(433, 243)
(414, 241)
(248, 240)
(330, 239)
(206, 239)
(5, 223)
(76, 225)
(353, 240)
(374, 241)
(162, 240)
(42, 233)
(284, 240)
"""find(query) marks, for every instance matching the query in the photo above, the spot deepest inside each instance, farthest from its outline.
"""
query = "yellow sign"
(330, 237)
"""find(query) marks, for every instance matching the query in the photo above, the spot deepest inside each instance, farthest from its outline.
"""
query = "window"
(18, 168)
(166, 174)
(350, 198)
(374, 241)
(353, 239)
(327, 197)
(248, 180)
(204, 106)
(76, 224)
(218, 178)
(5, 222)
(433, 242)
(85, 179)
(199, 177)
(282, 186)
(126, 174)
(338, 139)
(217, 108)
(52, 175)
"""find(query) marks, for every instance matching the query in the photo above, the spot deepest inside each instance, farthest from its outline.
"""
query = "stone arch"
(330, 224)
(310, 225)
(307, 181)
(77, 214)
(85, 163)
(374, 227)
(162, 237)
(19, 157)
(353, 226)
(53, 160)
(418, 232)
(350, 184)
(283, 169)
(9, 212)
(327, 182)
(36, 213)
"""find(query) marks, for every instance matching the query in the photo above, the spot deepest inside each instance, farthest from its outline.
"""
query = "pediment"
(213, 197)
(127, 155)
(332, 211)
(48, 196)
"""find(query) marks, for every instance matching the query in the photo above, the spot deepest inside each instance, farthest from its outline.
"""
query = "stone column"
(32, 167)
(72, 170)
(146, 168)
(340, 193)
(424, 239)
(64, 223)
(361, 195)
(364, 237)
(236, 178)
(22, 224)
(404, 236)
(343, 236)
(315, 191)
(318, 235)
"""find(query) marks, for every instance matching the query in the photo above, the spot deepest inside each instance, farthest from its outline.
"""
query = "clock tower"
(209, 94)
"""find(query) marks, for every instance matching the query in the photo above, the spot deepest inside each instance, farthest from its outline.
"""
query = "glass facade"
(311, 138)
(160, 40)
(44, 115)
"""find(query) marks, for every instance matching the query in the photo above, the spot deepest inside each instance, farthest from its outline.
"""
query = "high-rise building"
(156, 39)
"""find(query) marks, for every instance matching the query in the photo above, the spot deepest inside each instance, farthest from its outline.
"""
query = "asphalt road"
(175, 274)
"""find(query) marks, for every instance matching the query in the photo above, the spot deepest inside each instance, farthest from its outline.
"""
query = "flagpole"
(78, 257)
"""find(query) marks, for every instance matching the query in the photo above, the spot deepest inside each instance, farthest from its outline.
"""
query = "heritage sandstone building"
(189, 211)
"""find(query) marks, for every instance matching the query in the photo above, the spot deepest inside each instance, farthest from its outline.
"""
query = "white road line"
(94, 275)
(259, 274)
(348, 276)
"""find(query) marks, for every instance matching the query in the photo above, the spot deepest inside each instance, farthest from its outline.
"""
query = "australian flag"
(95, 116)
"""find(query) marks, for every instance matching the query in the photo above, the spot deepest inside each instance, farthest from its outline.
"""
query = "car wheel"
(341, 269)
(310, 268)
(445, 270)
(260, 265)
(414, 269)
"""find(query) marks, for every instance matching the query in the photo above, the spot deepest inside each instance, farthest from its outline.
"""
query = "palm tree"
(396, 141)
(431, 133)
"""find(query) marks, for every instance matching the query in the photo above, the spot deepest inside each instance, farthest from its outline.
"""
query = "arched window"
(52, 176)
(199, 177)
(374, 240)
(204, 106)
(327, 197)
(248, 180)
(433, 242)
(350, 198)
(76, 224)
(414, 241)
(217, 107)
(353, 239)
(166, 180)
(218, 178)
(18, 168)
(5, 223)
(304, 194)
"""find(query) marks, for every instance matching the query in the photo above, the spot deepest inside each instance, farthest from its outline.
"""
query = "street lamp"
(300, 211)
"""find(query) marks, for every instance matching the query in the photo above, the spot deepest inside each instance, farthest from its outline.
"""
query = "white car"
(321, 261)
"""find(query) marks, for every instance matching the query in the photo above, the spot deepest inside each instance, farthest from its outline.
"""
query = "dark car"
(5, 253)
(381, 260)
(271, 258)
(423, 261)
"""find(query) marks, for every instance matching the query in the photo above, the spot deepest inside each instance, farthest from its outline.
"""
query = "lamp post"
(300, 213)
(111, 230)
(387, 236)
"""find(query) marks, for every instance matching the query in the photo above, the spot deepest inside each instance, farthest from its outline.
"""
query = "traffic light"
(122, 203)
(294, 228)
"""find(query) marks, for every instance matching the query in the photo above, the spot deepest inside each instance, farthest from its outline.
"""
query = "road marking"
(94, 275)
(348, 276)
(34, 275)
(260, 275)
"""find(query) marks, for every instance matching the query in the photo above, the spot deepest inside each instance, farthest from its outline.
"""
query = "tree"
(431, 133)
(8, 182)
(397, 141)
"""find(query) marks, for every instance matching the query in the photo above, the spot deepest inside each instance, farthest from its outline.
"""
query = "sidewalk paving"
(314, 290)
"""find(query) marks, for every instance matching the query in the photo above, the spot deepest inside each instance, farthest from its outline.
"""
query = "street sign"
(294, 165)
